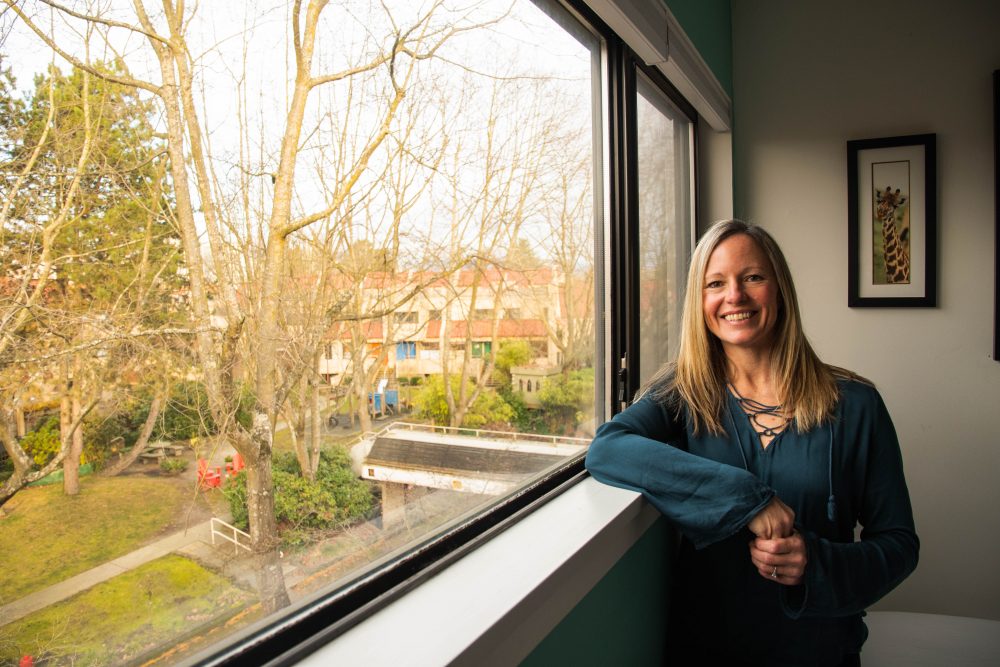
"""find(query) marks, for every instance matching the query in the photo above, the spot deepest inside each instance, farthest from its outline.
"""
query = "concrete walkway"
(180, 541)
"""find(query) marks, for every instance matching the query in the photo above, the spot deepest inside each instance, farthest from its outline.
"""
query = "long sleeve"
(845, 578)
(642, 449)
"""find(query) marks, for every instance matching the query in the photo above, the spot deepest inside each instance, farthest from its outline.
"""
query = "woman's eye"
(714, 284)
(752, 278)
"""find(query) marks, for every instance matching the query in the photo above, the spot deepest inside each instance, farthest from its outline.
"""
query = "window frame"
(317, 620)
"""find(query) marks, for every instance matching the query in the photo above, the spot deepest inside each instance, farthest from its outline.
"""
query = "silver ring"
(774, 572)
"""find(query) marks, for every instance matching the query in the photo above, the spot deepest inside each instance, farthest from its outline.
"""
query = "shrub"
(489, 410)
(235, 492)
(565, 398)
(525, 419)
(302, 507)
(512, 353)
(173, 466)
(43, 443)
(184, 415)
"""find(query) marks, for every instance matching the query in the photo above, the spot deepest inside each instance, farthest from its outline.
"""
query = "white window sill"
(497, 603)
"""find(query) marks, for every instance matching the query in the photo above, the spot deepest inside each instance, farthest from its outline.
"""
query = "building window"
(406, 350)
(407, 317)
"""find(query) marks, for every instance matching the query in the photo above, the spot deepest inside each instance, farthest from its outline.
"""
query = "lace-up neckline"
(767, 421)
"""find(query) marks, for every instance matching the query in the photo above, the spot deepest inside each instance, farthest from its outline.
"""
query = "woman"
(765, 459)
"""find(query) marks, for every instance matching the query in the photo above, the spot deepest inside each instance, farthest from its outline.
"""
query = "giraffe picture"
(891, 223)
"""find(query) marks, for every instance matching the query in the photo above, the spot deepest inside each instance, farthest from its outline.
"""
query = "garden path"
(179, 541)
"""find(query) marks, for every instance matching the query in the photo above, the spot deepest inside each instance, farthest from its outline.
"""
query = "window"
(499, 136)
(666, 220)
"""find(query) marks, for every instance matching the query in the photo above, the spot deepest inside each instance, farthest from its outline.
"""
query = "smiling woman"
(766, 459)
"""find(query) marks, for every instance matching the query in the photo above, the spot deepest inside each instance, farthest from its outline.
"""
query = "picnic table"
(158, 450)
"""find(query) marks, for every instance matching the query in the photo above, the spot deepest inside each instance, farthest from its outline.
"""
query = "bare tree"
(395, 59)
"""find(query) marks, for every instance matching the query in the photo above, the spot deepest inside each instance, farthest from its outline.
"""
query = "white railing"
(234, 538)
(483, 433)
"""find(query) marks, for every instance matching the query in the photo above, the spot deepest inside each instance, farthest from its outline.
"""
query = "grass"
(48, 537)
(128, 617)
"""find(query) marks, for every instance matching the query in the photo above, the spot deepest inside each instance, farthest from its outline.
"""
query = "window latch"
(622, 384)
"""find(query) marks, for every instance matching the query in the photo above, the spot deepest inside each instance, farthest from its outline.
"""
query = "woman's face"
(740, 297)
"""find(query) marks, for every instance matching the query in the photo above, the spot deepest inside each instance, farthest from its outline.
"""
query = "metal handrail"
(235, 539)
(478, 433)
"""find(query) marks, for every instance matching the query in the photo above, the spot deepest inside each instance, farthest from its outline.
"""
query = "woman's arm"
(641, 449)
(845, 578)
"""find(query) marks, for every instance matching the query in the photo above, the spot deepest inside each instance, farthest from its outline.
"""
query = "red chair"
(235, 465)
(208, 478)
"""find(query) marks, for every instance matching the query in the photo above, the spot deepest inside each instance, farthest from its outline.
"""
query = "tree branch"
(76, 62)
(102, 21)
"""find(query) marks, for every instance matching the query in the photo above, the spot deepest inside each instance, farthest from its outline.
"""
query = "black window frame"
(287, 638)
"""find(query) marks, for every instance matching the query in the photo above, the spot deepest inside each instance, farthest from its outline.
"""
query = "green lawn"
(47, 537)
(146, 610)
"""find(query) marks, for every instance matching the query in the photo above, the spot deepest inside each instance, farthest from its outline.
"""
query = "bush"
(489, 410)
(173, 466)
(184, 415)
(43, 443)
(564, 399)
(302, 507)
(235, 492)
(512, 353)
(525, 419)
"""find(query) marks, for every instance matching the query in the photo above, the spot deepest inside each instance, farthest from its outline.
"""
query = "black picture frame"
(892, 267)
(996, 215)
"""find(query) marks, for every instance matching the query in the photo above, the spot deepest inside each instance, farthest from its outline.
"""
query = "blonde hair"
(806, 387)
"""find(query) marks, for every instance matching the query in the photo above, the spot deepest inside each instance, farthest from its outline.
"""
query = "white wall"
(808, 76)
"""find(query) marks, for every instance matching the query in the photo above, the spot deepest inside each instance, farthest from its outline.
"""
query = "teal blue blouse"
(842, 474)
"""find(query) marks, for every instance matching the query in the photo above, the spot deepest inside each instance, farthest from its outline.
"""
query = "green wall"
(708, 23)
(623, 620)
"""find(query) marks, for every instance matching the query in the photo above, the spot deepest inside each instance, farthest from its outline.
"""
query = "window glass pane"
(665, 221)
(270, 328)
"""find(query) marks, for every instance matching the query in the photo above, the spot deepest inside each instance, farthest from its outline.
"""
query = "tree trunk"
(264, 538)
(140, 445)
(316, 420)
(299, 445)
(69, 413)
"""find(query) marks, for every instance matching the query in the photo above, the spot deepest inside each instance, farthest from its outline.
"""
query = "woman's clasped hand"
(777, 550)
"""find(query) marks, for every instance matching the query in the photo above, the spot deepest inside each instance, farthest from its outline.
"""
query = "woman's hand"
(782, 560)
(776, 520)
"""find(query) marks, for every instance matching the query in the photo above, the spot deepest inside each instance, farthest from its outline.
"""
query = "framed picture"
(892, 222)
